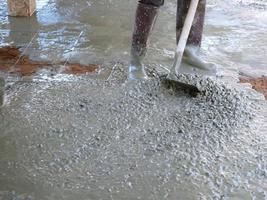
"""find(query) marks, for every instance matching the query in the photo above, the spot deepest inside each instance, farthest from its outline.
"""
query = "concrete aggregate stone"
(140, 139)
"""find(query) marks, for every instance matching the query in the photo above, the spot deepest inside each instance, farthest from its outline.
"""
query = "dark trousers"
(195, 36)
(153, 2)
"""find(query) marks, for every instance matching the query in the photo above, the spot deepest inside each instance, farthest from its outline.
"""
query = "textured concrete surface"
(93, 139)
(107, 29)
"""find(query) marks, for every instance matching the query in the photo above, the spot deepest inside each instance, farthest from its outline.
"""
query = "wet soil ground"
(13, 61)
(259, 84)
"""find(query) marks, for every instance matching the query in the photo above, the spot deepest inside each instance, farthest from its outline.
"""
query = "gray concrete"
(68, 137)
(232, 31)
(93, 139)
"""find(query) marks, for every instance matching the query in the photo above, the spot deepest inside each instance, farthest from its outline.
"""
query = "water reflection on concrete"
(232, 32)
(50, 137)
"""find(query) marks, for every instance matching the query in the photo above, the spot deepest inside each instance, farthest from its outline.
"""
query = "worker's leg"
(2, 90)
(21, 7)
(146, 14)
(195, 37)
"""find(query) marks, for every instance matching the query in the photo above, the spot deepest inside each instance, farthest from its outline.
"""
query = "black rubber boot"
(195, 36)
(2, 90)
(145, 19)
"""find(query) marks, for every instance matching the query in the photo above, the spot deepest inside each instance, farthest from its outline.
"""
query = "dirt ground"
(258, 84)
(13, 61)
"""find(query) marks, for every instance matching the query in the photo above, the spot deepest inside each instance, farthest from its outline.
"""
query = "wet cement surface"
(91, 32)
(96, 137)
(139, 140)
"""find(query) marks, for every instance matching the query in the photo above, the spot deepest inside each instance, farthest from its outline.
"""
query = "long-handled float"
(181, 47)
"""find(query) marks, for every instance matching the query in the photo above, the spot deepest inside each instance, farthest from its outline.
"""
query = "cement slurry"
(232, 31)
(93, 139)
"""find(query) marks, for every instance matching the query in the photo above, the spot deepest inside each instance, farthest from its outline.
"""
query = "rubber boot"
(2, 90)
(144, 22)
(195, 36)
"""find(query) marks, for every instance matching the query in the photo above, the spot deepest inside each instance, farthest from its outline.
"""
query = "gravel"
(93, 139)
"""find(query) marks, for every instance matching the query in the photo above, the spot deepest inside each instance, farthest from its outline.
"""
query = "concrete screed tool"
(172, 78)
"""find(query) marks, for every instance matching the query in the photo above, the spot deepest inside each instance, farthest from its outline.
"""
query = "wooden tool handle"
(184, 36)
(187, 26)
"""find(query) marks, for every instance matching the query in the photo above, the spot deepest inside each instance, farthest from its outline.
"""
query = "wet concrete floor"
(96, 136)
(92, 32)
(145, 140)
(13, 62)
